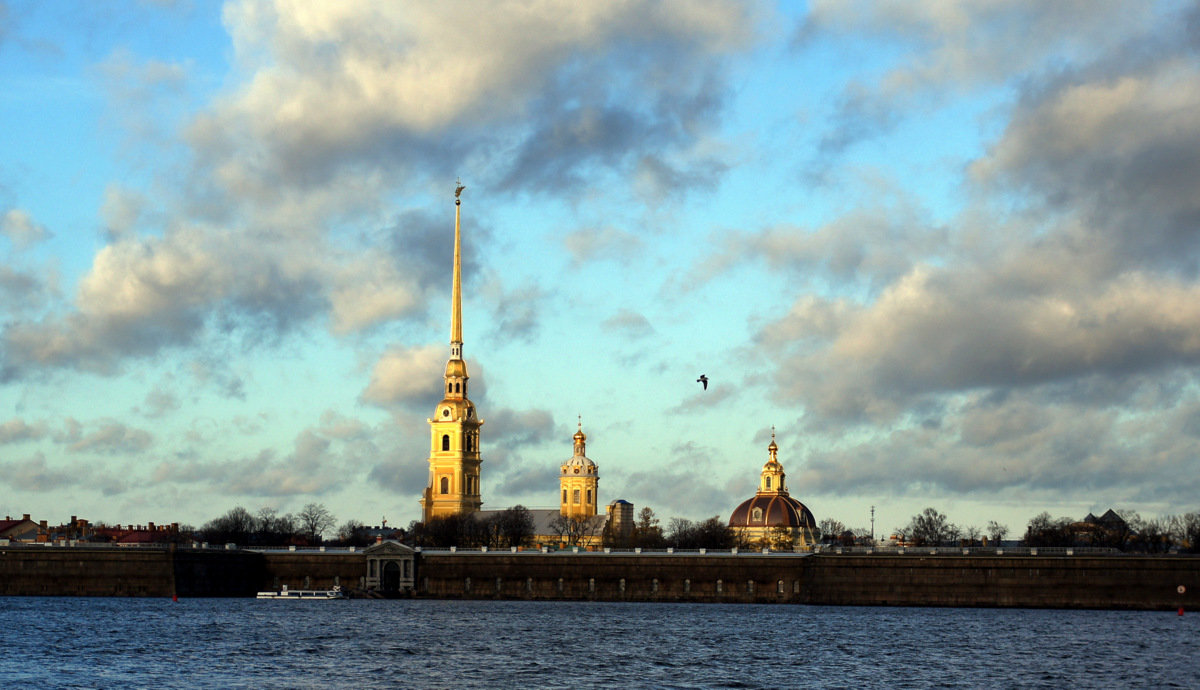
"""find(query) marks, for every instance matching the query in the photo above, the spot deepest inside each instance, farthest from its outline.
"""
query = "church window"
(445, 485)
(756, 515)
(589, 496)
(445, 441)
(449, 388)
(458, 388)
(468, 443)
(564, 495)
(768, 482)
(575, 496)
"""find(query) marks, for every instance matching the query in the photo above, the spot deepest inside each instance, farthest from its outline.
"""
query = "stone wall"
(165, 572)
(1107, 582)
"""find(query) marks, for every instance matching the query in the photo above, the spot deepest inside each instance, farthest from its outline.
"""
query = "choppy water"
(246, 643)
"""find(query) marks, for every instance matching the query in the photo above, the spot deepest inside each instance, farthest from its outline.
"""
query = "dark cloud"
(1021, 445)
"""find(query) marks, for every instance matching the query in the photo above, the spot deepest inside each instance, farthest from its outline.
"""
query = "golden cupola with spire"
(772, 517)
(579, 481)
(454, 456)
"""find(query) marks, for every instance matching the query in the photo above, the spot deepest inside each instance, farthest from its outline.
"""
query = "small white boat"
(285, 593)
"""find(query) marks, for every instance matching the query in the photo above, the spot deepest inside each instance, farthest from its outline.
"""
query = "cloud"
(951, 48)
(1014, 445)
(16, 430)
(33, 474)
(944, 331)
(516, 313)
(871, 245)
(21, 229)
(337, 87)
(401, 377)
(589, 245)
(322, 460)
(159, 402)
(113, 438)
(1117, 154)
(629, 324)
(26, 291)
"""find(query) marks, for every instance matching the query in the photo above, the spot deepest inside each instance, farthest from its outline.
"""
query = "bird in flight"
(704, 380)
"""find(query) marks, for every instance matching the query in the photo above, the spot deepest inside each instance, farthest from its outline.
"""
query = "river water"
(246, 643)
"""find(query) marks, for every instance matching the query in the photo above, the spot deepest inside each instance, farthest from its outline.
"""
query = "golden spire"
(456, 290)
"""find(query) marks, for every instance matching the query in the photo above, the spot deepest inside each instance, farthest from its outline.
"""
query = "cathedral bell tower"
(579, 481)
(454, 429)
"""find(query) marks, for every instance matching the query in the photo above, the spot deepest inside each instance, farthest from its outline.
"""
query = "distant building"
(23, 530)
(771, 517)
(620, 520)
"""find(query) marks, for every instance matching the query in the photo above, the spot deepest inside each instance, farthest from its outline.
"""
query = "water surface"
(246, 643)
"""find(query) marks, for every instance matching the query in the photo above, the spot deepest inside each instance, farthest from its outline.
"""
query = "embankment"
(165, 572)
(1100, 582)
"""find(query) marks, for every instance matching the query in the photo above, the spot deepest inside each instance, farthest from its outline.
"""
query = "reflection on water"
(219, 643)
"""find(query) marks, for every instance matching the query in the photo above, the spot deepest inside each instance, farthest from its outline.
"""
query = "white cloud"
(402, 376)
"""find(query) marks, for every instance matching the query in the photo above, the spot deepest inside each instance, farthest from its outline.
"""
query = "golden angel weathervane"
(457, 192)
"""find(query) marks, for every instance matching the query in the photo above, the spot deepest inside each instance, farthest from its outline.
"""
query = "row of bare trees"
(268, 527)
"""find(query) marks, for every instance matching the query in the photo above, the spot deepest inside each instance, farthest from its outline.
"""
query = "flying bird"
(704, 380)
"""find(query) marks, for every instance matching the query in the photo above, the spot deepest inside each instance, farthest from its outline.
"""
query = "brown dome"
(774, 510)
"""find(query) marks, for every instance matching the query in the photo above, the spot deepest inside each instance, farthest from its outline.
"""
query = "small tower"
(579, 481)
(454, 430)
(773, 479)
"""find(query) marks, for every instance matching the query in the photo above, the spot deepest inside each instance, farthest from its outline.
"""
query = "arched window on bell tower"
(445, 441)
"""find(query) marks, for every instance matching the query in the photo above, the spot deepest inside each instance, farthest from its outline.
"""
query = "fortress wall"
(300, 570)
(1112, 582)
(61, 571)
(162, 572)
(609, 577)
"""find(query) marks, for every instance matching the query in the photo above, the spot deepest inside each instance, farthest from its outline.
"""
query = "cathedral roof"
(775, 510)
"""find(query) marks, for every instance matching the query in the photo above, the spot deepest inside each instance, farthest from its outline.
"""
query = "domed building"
(771, 516)
(579, 481)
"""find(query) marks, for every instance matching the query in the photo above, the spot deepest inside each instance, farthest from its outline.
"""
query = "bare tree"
(930, 528)
(972, 535)
(315, 520)
(576, 530)
(996, 532)
(831, 530)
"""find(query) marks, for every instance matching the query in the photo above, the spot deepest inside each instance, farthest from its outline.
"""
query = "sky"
(947, 253)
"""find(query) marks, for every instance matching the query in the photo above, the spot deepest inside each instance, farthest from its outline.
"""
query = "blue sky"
(948, 251)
